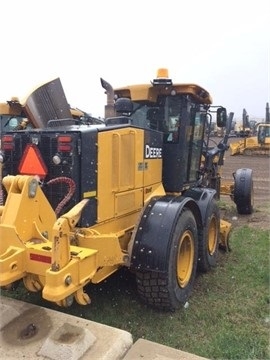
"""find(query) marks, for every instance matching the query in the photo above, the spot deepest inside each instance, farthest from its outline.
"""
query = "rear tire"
(169, 290)
(243, 191)
(209, 243)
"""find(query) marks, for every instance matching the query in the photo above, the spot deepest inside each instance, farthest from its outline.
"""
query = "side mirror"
(221, 117)
(13, 122)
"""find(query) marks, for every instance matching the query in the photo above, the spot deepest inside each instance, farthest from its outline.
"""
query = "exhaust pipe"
(109, 107)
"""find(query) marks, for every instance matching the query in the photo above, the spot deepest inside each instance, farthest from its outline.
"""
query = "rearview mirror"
(221, 117)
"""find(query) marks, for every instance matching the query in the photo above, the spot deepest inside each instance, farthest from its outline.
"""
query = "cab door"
(183, 142)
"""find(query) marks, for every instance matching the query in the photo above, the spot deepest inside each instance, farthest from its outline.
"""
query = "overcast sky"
(224, 46)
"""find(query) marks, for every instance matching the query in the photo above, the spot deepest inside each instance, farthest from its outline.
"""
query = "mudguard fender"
(153, 235)
(203, 198)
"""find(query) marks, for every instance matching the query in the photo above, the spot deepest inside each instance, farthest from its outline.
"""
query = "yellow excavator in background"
(243, 129)
(255, 145)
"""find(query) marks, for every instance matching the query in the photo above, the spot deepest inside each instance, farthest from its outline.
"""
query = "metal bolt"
(68, 280)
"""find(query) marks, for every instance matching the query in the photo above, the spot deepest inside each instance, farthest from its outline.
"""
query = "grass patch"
(228, 313)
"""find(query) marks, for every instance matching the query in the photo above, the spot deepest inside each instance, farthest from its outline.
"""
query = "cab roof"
(146, 92)
(163, 85)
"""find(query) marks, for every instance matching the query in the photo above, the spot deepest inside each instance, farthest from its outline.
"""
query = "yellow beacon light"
(162, 77)
(162, 73)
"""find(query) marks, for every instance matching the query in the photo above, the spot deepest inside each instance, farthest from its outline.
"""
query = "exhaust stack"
(109, 107)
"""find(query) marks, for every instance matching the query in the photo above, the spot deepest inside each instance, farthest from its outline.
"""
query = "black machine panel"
(68, 171)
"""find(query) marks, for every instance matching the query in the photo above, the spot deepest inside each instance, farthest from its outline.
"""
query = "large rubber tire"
(170, 290)
(243, 191)
(209, 241)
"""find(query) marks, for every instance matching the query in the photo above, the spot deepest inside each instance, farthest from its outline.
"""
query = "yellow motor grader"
(254, 145)
(140, 191)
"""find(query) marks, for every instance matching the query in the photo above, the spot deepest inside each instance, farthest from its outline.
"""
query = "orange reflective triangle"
(32, 162)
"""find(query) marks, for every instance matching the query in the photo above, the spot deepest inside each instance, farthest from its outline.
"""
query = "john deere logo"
(153, 152)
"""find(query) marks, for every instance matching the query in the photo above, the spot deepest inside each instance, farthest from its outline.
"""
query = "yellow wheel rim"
(185, 258)
(212, 236)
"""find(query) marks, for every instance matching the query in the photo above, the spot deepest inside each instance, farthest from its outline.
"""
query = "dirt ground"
(261, 185)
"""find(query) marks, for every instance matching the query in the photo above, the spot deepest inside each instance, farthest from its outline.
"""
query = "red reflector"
(7, 142)
(32, 162)
(7, 138)
(7, 146)
(41, 258)
(64, 143)
(65, 139)
(64, 147)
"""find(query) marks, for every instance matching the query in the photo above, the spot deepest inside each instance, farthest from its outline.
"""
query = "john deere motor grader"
(81, 201)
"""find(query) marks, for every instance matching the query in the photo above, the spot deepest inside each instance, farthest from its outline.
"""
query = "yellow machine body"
(139, 196)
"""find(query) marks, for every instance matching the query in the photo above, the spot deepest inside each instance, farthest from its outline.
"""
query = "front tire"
(169, 290)
(208, 243)
(243, 191)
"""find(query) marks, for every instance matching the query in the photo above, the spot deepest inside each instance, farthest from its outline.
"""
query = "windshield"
(162, 116)
(139, 115)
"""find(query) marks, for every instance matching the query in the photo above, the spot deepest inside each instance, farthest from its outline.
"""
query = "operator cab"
(180, 112)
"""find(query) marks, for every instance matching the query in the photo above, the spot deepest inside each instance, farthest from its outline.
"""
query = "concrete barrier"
(31, 332)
